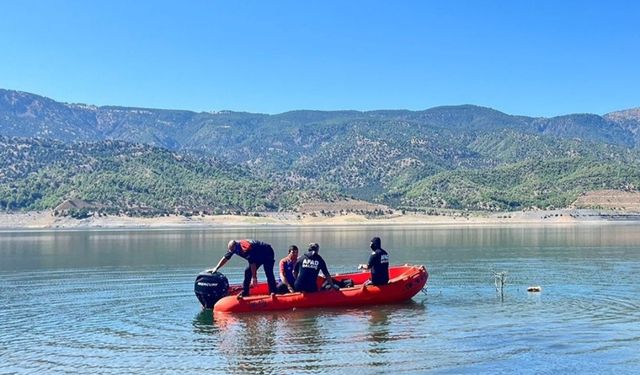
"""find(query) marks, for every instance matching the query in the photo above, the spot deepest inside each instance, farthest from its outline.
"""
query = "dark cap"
(314, 247)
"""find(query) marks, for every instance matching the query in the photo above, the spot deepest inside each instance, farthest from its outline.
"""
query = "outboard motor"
(210, 287)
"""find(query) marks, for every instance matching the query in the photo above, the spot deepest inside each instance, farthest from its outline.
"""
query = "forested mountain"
(456, 157)
(116, 176)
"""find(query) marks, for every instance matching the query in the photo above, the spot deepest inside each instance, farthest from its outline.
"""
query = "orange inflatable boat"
(404, 282)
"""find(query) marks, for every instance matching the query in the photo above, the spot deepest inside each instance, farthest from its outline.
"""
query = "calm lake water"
(122, 302)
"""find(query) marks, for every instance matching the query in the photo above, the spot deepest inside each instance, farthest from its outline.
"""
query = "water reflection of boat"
(308, 335)
(404, 282)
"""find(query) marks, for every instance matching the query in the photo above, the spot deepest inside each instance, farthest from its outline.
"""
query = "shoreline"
(45, 220)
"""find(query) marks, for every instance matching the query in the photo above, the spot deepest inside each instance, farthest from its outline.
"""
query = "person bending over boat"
(286, 271)
(257, 254)
(378, 263)
(307, 269)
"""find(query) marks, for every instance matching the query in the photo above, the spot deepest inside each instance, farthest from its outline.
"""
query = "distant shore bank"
(45, 220)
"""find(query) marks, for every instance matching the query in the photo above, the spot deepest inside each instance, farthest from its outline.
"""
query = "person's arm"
(283, 276)
(327, 275)
(369, 265)
(221, 263)
(296, 269)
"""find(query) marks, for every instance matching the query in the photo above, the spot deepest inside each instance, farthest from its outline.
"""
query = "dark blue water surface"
(114, 302)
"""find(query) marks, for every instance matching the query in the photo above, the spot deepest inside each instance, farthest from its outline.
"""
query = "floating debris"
(534, 288)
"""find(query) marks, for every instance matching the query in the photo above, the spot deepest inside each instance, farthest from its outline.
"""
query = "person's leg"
(270, 260)
(268, 271)
(247, 281)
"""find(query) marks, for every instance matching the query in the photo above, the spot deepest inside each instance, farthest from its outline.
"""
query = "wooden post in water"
(500, 279)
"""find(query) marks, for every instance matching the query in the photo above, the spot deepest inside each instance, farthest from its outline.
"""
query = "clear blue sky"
(538, 58)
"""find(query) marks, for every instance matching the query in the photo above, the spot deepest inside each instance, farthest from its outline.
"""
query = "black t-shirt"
(307, 269)
(379, 266)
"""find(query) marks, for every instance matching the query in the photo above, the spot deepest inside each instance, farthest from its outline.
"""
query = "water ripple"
(124, 319)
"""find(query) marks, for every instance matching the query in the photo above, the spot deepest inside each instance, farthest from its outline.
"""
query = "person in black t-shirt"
(307, 269)
(378, 263)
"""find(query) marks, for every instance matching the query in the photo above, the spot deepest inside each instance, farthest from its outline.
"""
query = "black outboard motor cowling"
(210, 287)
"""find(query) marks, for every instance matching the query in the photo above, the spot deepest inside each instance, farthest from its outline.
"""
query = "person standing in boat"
(286, 271)
(307, 269)
(378, 263)
(257, 254)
